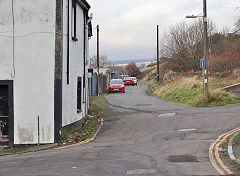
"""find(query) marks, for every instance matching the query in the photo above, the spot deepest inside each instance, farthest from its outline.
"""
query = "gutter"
(84, 4)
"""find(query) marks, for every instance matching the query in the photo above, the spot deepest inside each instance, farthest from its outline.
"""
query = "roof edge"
(84, 4)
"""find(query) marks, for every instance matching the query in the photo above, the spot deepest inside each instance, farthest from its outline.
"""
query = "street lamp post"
(98, 86)
(205, 43)
(205, 36)
(158, 79)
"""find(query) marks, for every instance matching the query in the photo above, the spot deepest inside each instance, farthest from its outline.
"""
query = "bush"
(228, 59)
(132, 69)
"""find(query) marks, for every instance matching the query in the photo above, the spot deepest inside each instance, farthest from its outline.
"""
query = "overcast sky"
(128, 27)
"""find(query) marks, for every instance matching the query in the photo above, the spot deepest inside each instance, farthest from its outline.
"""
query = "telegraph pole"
(98, 60)
(158, 53)
(205, 44)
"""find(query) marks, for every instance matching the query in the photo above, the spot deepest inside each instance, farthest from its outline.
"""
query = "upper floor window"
(74, 20)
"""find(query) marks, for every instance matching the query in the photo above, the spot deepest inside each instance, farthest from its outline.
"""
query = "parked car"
(135, 80)
(116, 85)
(128, 81)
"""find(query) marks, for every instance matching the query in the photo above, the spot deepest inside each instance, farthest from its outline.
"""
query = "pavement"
(141, 135)
(5, 150)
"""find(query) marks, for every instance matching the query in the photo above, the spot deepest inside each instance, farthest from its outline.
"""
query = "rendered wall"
(34, 54)
(76, 60)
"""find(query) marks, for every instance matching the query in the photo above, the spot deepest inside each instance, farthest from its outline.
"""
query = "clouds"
(128, 27)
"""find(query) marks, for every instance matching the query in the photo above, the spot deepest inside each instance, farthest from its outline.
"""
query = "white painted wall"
(6, 44)
(34, 66)
(70, 114)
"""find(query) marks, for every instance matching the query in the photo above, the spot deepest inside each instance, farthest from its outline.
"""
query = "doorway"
(6, 112)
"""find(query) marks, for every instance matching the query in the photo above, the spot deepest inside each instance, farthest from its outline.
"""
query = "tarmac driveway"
(142, 135)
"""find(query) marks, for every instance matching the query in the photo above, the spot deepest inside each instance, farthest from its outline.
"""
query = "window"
(74, 20)
(79, 95)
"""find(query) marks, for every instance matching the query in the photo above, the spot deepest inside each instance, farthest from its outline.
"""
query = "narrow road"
(142, 135)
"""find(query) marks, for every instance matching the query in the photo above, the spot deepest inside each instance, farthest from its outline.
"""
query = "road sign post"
(202, 65)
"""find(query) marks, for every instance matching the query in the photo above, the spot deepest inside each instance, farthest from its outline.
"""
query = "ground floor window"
(79, 95)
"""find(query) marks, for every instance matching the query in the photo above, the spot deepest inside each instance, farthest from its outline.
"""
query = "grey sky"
(128, 27)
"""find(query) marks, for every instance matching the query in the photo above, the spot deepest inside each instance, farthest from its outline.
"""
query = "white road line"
(186, 130)
(141, 171)
(167, 115)
(124, 106)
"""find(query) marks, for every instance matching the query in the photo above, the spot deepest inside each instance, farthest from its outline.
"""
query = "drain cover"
(182, 158)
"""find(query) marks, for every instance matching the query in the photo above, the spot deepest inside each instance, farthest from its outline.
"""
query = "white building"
(43, 71)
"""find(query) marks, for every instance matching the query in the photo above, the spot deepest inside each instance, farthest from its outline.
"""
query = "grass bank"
(187, 88)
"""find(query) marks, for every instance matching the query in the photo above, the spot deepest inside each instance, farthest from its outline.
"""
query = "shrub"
(132, 69)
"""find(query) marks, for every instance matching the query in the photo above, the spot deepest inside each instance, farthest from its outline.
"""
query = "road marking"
(186, 130)
(218, 157)
(167, 115)
(230, 148)
(113, 107)
(218, 160)
(141, 171)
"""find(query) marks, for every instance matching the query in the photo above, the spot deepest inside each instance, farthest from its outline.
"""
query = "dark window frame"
(79, 95)
(74, 20)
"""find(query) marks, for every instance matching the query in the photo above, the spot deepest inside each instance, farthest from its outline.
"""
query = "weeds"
(91, 123)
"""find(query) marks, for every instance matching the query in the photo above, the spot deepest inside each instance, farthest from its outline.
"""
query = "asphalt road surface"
(141, 136)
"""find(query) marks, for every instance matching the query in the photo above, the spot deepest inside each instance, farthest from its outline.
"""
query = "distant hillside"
(128, 61)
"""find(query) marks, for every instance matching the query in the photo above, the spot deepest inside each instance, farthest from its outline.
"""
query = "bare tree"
(132, 69)
(103, 61)
(237, 23)
(184, 45)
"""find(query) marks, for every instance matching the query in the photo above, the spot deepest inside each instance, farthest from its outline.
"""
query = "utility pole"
(158, 53)
(205, 44)
(98, 60)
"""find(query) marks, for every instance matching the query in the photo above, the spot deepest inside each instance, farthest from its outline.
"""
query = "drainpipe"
(38, 131)
(86, 22)
(84, 60)
(68, 41)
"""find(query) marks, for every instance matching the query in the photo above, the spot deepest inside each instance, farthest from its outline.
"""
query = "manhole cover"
(167, 115)
(182, 158)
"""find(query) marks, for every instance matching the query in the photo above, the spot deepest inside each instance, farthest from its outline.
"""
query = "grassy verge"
(188, 90)
(91, 123)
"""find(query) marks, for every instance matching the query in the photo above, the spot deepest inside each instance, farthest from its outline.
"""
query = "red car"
(116, 85)
(128, 81)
